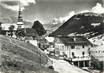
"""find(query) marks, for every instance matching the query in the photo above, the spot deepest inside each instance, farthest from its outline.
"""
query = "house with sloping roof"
(73, 48)
(28, 33)
(6, 28)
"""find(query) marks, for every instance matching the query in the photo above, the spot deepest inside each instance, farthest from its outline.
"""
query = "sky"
(46, 10)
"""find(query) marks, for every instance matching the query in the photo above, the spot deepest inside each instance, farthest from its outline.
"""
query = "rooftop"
(72, 40)
(5, 26)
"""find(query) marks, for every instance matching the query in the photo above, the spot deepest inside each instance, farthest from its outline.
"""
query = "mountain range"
(89, 24)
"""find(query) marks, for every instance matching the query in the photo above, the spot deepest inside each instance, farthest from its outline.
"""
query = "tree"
(20, 33)
(39, 28)
(11, 28)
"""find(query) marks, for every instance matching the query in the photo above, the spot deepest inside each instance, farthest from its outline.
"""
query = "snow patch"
(95, 24)
(50, 39)
(98, 40)
(34, 42)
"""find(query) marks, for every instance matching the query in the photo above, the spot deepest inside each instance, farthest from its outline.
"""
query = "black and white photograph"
(51, 36)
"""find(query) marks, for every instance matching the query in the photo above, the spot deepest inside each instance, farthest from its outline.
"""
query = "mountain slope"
(17, 55)
(81, 24)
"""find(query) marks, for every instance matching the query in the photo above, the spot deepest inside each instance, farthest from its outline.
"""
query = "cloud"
(83, 11)
(98, 8)
(13, 4)
(67, 17)
(63, 19)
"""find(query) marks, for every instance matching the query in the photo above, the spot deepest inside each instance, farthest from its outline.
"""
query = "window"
(72, 47)
(83, 46)
(83, 53)
(73, 54)
(89, 53)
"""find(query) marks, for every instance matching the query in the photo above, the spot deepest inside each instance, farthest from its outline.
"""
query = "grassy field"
(17, 56)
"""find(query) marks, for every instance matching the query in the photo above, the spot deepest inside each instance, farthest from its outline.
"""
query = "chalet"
(74, 48)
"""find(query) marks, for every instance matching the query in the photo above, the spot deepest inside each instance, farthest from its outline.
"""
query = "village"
(77, 50)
